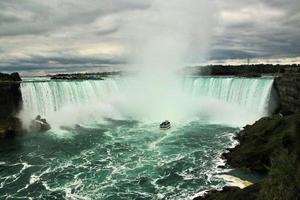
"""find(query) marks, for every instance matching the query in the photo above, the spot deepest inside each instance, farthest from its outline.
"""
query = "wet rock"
(39, 125)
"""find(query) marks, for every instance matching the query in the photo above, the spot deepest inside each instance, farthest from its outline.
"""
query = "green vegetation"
(254, 70)
(85, 76)
(260, 141)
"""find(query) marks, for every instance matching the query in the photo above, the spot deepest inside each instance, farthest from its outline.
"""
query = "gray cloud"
(261, 29)
(58, 34)
(35, 17)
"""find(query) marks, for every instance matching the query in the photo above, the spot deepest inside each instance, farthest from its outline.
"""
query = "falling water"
(199, 96)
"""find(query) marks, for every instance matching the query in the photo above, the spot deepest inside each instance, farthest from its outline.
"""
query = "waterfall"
(51, 96)
(251, 93)
(93, 99)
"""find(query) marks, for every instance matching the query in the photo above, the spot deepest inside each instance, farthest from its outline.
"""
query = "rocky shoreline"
(271, 147)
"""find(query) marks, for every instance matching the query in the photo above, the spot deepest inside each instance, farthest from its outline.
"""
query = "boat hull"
(165, 128)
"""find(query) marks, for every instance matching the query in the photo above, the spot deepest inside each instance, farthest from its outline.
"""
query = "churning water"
(118, 151)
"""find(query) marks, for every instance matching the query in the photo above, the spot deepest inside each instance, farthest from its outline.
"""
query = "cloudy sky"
(75, 35)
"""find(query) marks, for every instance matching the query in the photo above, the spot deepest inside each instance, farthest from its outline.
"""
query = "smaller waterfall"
(51, 96)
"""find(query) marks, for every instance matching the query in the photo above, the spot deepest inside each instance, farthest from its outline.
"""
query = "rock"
(39, 125)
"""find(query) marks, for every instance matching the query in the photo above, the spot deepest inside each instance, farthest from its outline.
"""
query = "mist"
(169, 35)
(161, 42)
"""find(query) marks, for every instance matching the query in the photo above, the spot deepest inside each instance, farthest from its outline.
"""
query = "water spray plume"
(160, 41)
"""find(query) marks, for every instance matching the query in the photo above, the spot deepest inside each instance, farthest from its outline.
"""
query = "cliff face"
(260, 141)
(270, 146)
(10, 104)
(11, 99)
(288, 87)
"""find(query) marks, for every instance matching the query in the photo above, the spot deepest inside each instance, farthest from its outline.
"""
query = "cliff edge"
(270, 146)
(288, 89)
(10, 104)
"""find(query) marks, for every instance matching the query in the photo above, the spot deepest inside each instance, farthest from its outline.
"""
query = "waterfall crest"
(213, 98)
(255, 94)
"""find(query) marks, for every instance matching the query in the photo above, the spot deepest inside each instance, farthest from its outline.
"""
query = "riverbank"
(270, 146)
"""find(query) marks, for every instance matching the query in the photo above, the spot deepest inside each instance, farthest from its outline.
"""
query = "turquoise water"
(117, 154)
(121, 160)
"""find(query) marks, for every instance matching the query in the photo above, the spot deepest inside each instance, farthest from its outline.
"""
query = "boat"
(165, 125)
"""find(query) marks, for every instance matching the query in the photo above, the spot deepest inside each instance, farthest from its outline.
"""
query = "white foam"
(234, 181)
(33, 179)
(70, 196)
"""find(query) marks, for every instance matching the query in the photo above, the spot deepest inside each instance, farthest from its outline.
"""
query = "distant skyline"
(74, 35)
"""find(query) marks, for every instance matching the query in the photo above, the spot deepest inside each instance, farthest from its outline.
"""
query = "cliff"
(10, 104)
(270, 146)
(260, 141)
(288, 89)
